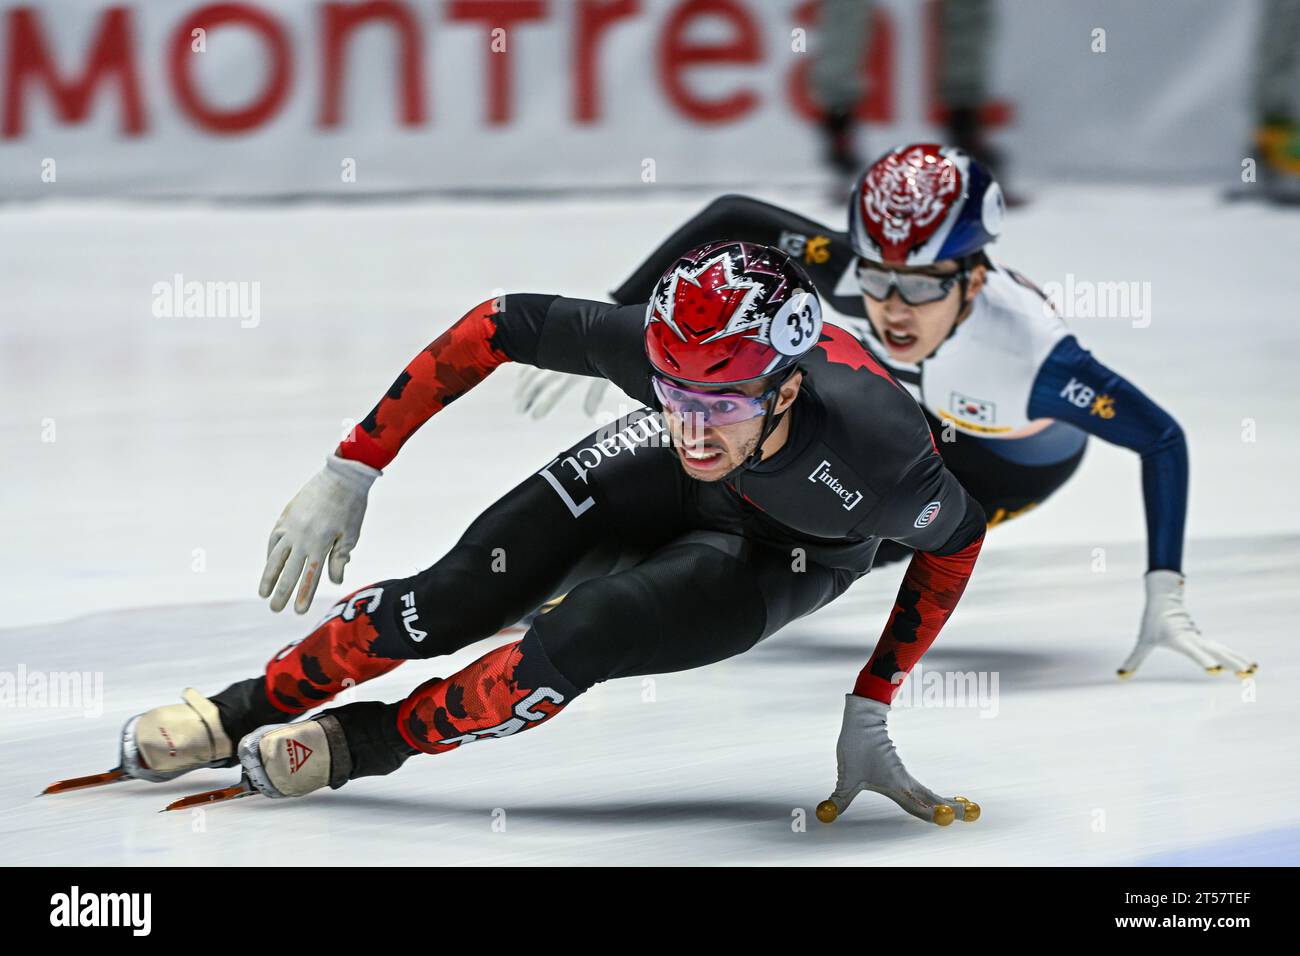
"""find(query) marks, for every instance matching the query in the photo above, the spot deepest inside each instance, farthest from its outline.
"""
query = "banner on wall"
(170, 97)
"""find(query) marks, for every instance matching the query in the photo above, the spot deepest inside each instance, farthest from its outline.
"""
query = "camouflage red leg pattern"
(507, 690)
(930, 590)
(336, 655)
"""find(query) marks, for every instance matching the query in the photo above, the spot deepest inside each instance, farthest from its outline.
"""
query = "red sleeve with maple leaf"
(576, 336)
(930, 591)
(447, 368)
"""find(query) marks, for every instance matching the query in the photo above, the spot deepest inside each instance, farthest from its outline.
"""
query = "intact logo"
(410, 615)
(927, 515)
(299, 754)
(822, 474)
(633, 434)
(973, 409)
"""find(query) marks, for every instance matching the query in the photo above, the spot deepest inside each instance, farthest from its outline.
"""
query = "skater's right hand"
(1167, 623)
(324, 519)
(538, 390)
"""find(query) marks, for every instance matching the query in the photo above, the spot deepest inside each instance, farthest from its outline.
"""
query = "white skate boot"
(292, 760)
(867, 761)
(163, 743)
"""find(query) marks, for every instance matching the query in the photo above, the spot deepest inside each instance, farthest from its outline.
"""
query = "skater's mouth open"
(899, 340)
(706, 457)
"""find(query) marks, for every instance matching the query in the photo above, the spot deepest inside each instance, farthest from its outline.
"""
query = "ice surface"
(134, 539)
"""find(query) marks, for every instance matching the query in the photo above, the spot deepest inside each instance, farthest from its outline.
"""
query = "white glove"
(322, 519)
(867, 761)
(1166, 623)
(538, 390)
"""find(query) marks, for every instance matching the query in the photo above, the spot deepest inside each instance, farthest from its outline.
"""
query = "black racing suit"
(663, 572)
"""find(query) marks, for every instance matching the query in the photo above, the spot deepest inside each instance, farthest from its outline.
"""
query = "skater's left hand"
(1166, 623)
(866, 760)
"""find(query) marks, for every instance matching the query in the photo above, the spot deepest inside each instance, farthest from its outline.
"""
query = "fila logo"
(927, 515)
(524, 715)
(822, 473)
(1077, 394)
(299, 754)
(410, 615)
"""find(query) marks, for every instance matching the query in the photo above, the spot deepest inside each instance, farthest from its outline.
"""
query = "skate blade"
(115, 775)
(242, 789)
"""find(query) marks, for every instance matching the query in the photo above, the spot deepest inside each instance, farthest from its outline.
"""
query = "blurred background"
(272, 98)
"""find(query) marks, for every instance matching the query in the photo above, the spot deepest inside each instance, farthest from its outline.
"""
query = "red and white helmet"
(922, 203)
(731, 312)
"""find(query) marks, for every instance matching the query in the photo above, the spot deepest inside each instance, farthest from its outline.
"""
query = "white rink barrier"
(175, 97)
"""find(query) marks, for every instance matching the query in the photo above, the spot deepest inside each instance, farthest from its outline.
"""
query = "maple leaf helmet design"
(731, 312)
(922, 203)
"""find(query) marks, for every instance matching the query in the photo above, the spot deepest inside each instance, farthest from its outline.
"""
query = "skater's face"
(911, 332)
(707, 451)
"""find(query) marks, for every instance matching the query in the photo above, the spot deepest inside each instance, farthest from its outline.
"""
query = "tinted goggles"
(716, 408)
(914, 288)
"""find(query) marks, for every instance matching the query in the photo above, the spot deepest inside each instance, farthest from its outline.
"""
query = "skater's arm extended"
(1074, 387)
(932, 513)
(546, 331)
(823, 253)
(321, 524)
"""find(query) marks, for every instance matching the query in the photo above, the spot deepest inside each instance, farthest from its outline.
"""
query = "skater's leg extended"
(597, 508)
(535, 542)
(702, 598)
(648, 619)
(529, 546)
